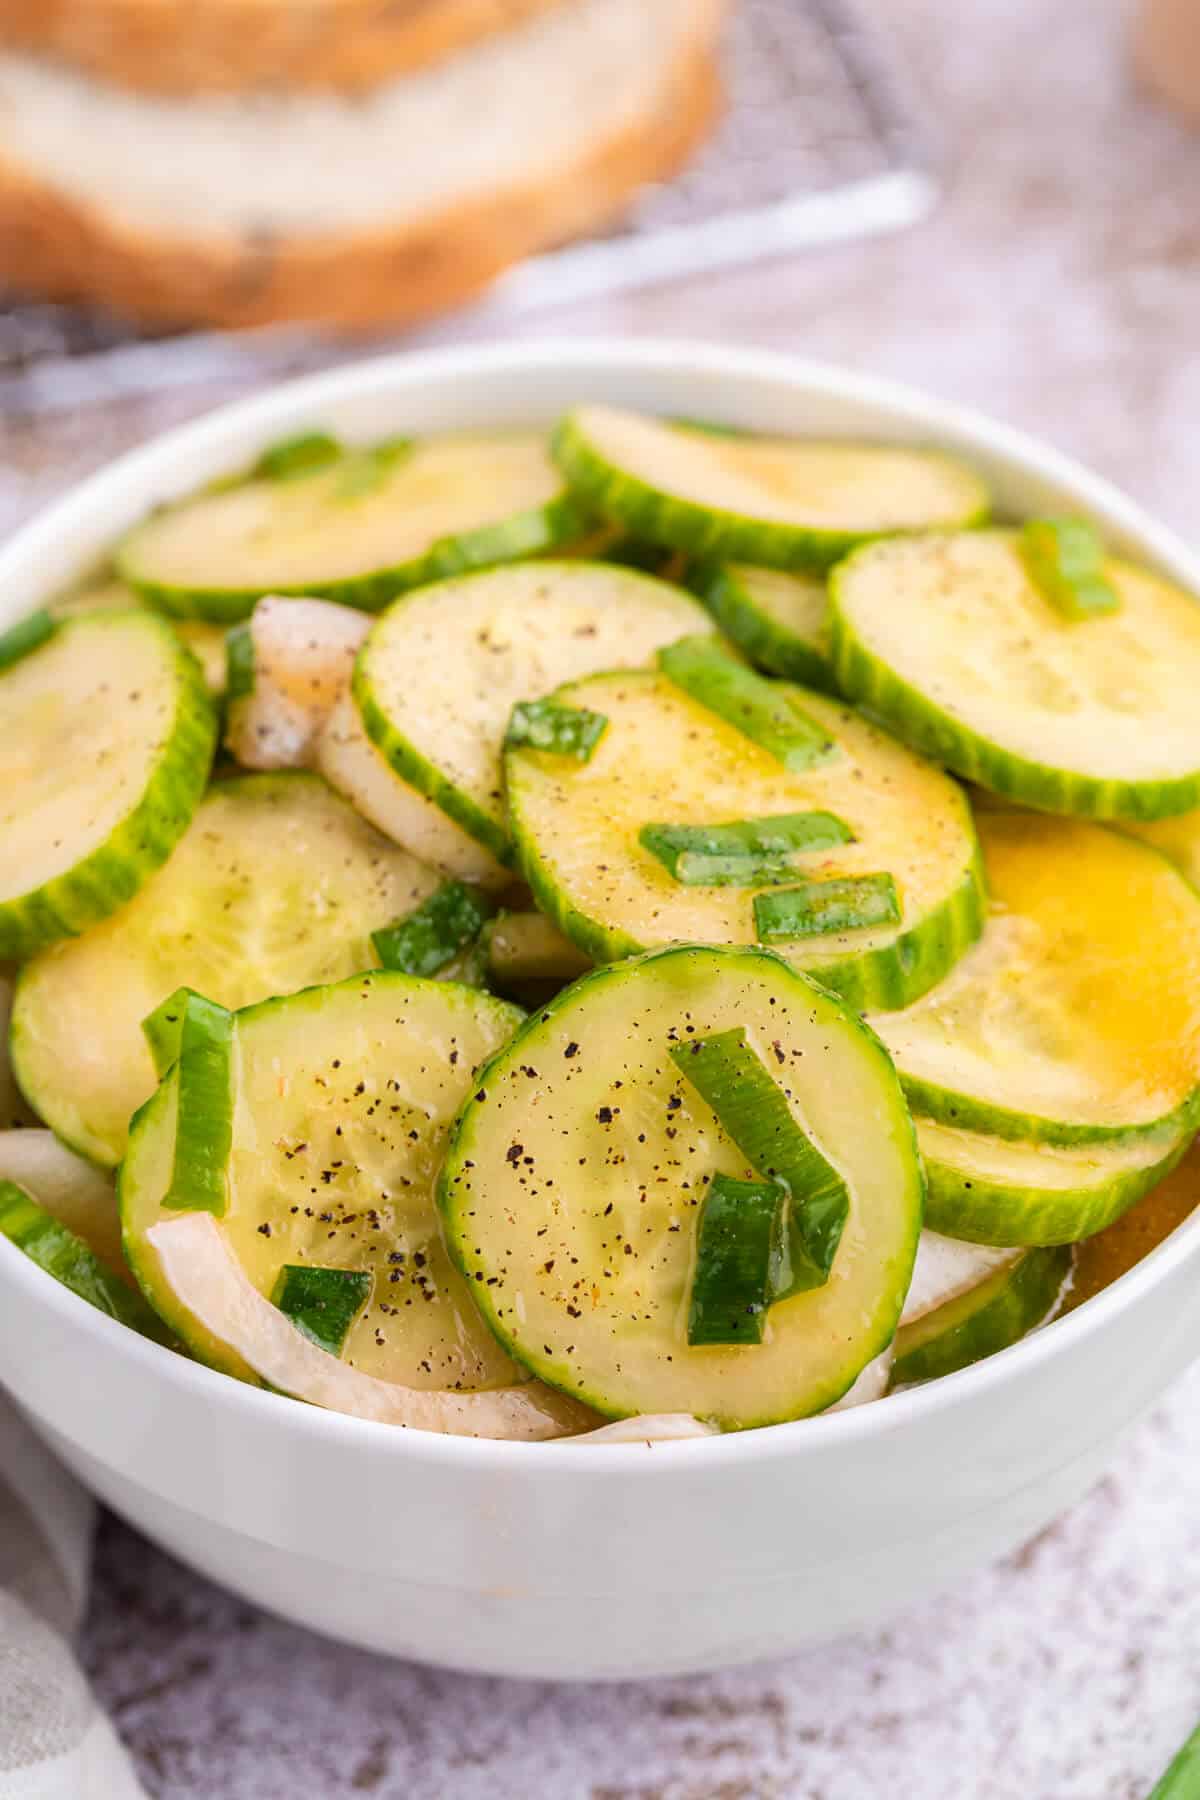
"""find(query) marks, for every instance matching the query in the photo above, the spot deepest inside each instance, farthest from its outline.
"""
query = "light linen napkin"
(55, 1743)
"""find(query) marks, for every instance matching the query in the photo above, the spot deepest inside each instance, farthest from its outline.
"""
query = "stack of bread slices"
(352, 162)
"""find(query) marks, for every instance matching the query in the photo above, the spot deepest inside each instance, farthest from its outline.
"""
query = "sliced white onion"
(304, 654)
(75, 1192)
(872, 1384)
(947, 1267)
(649, 1428)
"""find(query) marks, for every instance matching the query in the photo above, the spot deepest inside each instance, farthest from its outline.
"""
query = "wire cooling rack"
(820, 142)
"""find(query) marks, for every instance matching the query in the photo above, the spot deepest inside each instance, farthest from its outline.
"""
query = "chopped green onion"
(760, 709)
(29, 634)
(754, 1110)
(364, 470)
(239, 663)
(1065, 561)
(298, 455)
(204, 1123)
(744, 853)
(432, 936)
(563, 730)
(741, 1253)
(322, 1303)
(1182, 1780)
(815, 908)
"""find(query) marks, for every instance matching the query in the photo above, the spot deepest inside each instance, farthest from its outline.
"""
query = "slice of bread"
(387, 207)
(224, 46)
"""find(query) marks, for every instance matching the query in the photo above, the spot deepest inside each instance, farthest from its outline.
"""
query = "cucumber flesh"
(49, 1244)
(948, 640)
(526, 946)
(780, 621)
(81, 1197)
(206, 642)
(342, 1102)
(350, 762)
(994, 1191)
(106, 734)
(1003, 1307)
(288, 667)
(784, 503)
(440, 673)
(277, 885)
(449, 504)
(589, 1085)
(1076, 1019)
(197, 1268)
(578, 828)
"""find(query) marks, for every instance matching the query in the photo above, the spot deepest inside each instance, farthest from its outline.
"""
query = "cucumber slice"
(68, 1259)
(586, 1280)
(1006, 1304)
(1177, 839)
(526, 946)
(106, 735)
(350, 762)
(949, 641)
(438, 677)
(288, 667)
(782, 502)
(277, 884)
(13, 1110)
(578, 828)
(206, 1281)
(76, 1193)
(341, 1104)
(994, 1191)
(1104, 1258)
(450, 504)
(780, 621)
(1076, 1018)
(206, 642)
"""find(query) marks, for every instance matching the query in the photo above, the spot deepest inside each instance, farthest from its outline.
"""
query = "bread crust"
(183, 47)
(57, 247)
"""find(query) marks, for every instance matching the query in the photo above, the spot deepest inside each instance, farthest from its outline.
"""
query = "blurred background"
(999, 201)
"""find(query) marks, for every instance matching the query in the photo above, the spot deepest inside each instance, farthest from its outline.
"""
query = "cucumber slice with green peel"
(573, 1182)
(106, 735)
(526, 946)
(743, 852)
(779, 620)
(448, 505)
(298, 455)
(288, 666)
(434, 934)
(76, 1193)
(991, 1190)
(352, 765)
(766, 712)
(949, 641)
(48, 1243)
(440, 673)
(342, 1098)
(785, 503)
(277, 885)
(578, 828)
(206, 642)
(1002, 1307)
(1076, 1018)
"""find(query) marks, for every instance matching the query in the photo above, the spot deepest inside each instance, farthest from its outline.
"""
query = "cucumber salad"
(625, 932)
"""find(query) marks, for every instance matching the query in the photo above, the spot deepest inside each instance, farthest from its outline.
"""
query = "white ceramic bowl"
(553, 1560)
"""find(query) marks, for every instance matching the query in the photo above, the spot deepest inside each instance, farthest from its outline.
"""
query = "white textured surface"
(1059, 287)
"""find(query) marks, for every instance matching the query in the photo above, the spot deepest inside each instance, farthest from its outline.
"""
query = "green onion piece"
(753, 1109)
(745, 853)
(814, 908)
(1182, 1780)
(432, 936)
(364, 470)
(298, 455)
(25, 636)
(741, 1253)
(760, 709)
(68, 1259)
(563, 730)
(239, 663)
(707, 427)
(1064, 559)
(204, 1127)
(163, 1028)
(322, 1303)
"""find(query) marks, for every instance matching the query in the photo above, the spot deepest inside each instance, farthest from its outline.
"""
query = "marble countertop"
(1059, 287)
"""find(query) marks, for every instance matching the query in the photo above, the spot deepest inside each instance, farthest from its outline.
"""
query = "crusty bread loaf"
(223, 46)
(386, 207)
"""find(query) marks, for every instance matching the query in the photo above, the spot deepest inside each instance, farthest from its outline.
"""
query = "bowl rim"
(259, 417)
